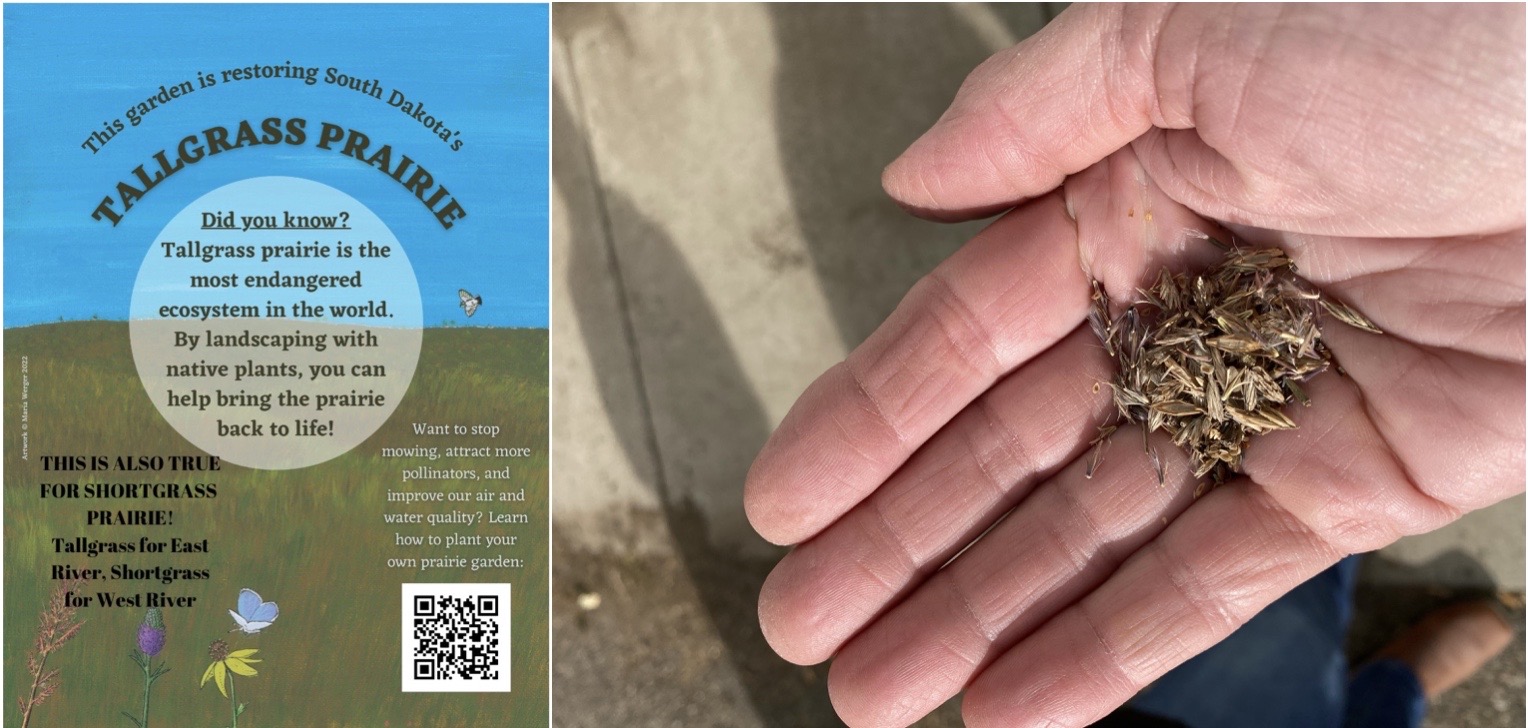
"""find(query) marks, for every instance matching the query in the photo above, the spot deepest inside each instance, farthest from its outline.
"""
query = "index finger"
(1009, 294)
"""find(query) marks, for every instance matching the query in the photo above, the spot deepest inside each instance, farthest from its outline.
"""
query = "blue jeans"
(1286, 669)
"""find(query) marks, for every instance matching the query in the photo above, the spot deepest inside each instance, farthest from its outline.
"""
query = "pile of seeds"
(1212, 359)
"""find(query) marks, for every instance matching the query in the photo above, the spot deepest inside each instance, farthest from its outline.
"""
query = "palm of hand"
(975, 402)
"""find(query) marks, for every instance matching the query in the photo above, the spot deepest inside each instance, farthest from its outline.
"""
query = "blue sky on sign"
(70, 69)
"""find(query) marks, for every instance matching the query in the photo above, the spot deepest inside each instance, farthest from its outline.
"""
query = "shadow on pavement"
(855, 85)
(726, 584)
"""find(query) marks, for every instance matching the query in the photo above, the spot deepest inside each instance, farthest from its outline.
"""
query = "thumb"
(1027, 117)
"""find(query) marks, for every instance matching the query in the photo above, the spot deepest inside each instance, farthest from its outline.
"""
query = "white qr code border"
(410, 645)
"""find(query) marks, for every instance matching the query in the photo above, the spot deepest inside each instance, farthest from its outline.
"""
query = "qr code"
(455, 638)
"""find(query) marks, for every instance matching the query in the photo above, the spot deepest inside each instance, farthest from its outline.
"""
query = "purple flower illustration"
(151, 635)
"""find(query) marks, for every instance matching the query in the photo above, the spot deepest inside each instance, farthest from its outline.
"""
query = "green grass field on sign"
(312, 539)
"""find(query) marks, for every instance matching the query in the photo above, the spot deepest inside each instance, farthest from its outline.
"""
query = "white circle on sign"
(269, 328)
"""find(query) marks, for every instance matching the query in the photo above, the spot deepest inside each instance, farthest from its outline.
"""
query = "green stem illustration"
(148, 680)
(233, 701)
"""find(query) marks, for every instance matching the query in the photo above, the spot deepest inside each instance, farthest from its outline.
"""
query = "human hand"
(977, 396)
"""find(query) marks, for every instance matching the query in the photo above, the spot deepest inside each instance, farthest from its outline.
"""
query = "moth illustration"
(470, 302)
(253, 615)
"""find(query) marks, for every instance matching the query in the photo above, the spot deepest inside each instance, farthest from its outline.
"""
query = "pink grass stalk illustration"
(56, 626)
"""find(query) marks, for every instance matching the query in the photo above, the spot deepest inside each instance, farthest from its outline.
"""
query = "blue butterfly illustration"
(253, 615)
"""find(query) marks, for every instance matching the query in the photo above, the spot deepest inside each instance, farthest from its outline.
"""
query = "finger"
(1058, 545)
(1264, 114)
(975, 469)
(1333, 487)
(1056, 103)
(1003, 298)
